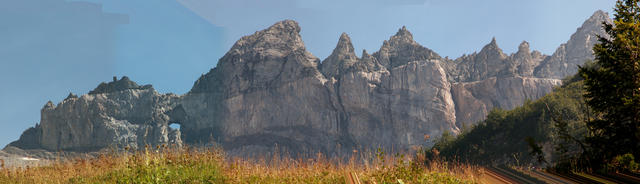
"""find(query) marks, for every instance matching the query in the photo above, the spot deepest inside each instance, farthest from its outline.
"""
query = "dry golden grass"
(170, 165)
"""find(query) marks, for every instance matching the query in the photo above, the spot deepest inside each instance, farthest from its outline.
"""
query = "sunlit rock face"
(566, 59)
(117, 114)
(268, 92)
(491, 79)
(393, 107)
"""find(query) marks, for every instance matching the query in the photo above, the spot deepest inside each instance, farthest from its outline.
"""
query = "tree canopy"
(613, 86)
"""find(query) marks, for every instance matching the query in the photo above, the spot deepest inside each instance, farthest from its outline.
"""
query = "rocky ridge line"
(269, 90)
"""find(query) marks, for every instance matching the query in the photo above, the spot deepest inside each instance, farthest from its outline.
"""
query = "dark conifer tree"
(613, 86)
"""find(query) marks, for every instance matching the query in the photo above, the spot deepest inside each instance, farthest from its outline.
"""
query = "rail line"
(505, 174)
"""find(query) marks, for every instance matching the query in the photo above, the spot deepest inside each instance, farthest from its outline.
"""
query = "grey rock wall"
(269, 92)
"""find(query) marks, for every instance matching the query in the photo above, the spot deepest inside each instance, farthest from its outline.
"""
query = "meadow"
(212, 165)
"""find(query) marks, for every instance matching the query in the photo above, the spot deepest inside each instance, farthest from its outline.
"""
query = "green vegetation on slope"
(501, 138)
(590, 123)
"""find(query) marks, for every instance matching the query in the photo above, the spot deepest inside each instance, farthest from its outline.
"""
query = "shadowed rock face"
(268, 92)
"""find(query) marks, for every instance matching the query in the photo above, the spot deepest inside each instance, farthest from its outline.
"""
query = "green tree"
(613, 86)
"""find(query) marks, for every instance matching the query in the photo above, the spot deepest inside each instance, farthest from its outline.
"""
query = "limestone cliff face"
(490, 79)
(394, 107)
(401, 49)
(118, 114)
(566, 59)
(268, 91)
(474, 100)
(342, 57)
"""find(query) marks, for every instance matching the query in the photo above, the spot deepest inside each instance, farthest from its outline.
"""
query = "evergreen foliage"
(613, 87)
(512, 136)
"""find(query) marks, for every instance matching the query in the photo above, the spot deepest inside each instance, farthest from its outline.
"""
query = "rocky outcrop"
(401, 49)
(492, 62)
(394, 107)
(474, 100)
(490, 79)
(566, 59)
(116, 85)
(342, 57)
(126, 117)
(489, 62)
(268, 92)
(524, 61)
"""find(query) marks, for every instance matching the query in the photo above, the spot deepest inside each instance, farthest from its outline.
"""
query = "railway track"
(504, 174)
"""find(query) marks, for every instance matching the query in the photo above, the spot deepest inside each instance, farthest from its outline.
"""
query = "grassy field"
(166, 165)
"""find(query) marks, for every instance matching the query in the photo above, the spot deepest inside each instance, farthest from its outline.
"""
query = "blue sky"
(49, 48)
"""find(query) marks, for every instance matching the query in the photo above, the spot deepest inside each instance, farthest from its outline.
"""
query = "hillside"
(268, 91)
(501, 138)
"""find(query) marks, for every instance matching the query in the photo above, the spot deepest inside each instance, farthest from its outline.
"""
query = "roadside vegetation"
(184, 165)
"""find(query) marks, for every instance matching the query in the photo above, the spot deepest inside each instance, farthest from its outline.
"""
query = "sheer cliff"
(269, 92)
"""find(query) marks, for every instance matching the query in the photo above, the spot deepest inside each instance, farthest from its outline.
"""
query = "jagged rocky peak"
(367, 63)
(71, 96)
(275, 52)
(489, 62)
(366, 55)
(597, 17)
(344, 46)
(523, 47)
(404, 33)
(49, 105)
(492, 50)
(523, 62)
(116, 114)
(401, 49)
(591, 28)
(267, 91)
(278, 40)
(566, 59)
(342, 57)
(118, 85)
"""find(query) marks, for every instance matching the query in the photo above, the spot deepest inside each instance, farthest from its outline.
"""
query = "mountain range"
(268, 92)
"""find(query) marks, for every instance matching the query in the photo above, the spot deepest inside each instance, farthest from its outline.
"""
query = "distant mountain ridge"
(268, 91)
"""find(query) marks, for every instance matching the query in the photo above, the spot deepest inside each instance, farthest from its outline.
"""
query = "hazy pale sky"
(49, 48)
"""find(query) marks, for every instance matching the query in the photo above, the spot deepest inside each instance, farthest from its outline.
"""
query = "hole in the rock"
(174, 126)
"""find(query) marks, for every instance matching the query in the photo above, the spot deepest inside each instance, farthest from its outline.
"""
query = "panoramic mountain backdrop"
(268, 92)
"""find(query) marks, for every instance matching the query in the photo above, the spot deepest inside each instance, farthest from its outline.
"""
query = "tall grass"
(191, 165)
